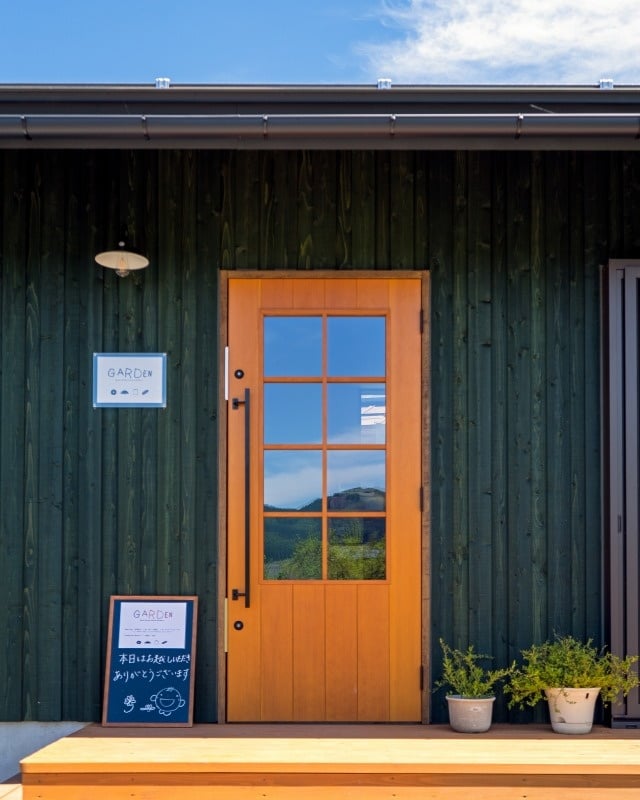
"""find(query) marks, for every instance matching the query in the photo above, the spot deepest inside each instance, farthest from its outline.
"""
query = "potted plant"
(570, 674)
(472, 695)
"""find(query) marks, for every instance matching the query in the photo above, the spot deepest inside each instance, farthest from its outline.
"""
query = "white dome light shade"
(123, 261)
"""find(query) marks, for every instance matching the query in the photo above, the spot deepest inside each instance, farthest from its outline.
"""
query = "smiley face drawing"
(167, 701)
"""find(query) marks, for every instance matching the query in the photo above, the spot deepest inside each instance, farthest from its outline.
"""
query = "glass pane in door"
(292, 346)
(292, 548)
(357, 548)
(356, 413)
(292, 480)
(292, 413)
(356, 480)
(324, 447)
(356, 346)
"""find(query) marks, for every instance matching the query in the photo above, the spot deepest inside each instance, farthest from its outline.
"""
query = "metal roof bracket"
(25, 128)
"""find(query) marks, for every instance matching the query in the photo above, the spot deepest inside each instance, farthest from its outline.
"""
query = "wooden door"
(324, 487)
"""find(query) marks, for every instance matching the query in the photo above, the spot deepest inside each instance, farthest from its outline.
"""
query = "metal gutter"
(266, 118)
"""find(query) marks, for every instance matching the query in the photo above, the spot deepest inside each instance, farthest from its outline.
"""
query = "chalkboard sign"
(149, 674)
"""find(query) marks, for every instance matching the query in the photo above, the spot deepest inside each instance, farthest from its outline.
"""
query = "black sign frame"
(150, 665)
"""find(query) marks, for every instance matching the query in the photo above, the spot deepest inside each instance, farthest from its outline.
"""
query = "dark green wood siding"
(97, 502)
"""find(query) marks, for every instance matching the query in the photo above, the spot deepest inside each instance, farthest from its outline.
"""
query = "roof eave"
(314, 117)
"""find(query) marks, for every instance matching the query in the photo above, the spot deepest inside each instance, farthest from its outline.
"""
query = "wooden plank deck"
(330, 762)
(11, 790)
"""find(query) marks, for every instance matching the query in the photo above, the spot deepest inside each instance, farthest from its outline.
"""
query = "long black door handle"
(236, 594)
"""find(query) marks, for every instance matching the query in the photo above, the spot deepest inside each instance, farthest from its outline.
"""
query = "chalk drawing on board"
(168, 700)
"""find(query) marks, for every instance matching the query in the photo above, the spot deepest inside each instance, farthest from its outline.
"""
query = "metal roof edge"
(311, 117)
(320, 92)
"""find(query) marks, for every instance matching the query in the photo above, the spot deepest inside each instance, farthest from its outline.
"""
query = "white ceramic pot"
(571, 710)
(470, 714)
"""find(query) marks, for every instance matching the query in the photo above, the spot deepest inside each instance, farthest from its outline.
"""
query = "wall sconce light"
(123, 261)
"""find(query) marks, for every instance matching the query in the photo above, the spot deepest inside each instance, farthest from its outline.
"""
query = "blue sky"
(560, 42)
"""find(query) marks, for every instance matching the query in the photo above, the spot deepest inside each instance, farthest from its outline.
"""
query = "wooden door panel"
(327, 649)
(342, 293)
(276, 652)
(373, 660)
(370, 292)
(309, 646)
(404, 564)
(244, 692)
(276, 293)
(309, 294)
(341, 658)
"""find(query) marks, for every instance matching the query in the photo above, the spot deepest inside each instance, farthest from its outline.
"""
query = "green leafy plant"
(463, 672)
(566, 662)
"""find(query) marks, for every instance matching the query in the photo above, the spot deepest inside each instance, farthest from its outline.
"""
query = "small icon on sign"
(129, 703)
(168, 700)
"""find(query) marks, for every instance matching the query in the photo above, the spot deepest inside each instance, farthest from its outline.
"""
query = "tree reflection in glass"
(357, 548)
(292, 548)
(324, 436)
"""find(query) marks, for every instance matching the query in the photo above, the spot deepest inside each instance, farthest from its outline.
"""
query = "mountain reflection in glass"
(357, 413)
(292, 413)
(356, 480)
(292, 346)
(356, 346)
(292, 480)
(357, 549)
(324, 448)
(292, 548)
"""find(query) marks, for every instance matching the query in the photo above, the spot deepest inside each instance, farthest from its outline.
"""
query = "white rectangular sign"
(133, 380)
(152, 625)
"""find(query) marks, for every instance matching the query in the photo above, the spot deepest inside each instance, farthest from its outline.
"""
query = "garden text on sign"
(149, 676)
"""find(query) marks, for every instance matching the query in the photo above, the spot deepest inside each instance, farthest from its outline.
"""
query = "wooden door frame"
(223, 312)
(619, 367)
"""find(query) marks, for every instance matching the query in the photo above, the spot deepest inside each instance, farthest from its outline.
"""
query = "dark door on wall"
(324, 521)
(621, 379)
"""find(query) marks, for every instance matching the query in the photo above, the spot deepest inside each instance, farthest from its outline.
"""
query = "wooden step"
(11, 789)
(310, 762)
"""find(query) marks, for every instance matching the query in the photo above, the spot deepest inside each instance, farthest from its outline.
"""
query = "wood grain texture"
(290, 641)
(11, 791)
(309, 634)
(96, 502)
(13, 345)
(336, 761)
(341, 615)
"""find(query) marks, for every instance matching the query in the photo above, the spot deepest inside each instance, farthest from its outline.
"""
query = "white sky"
(312, 42)
(523, 41)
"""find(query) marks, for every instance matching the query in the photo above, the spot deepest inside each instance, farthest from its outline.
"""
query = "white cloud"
(556, 42)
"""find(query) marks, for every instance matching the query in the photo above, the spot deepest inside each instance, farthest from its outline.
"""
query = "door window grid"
(350, 541)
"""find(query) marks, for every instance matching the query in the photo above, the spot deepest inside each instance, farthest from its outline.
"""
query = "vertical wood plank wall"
(97, 502)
